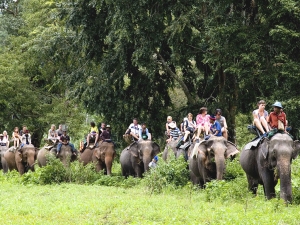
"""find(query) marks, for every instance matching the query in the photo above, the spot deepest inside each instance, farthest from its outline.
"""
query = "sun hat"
(172, 125)
(277, 104)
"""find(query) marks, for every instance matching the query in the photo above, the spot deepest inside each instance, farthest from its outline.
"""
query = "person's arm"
(255, 114)
(140, 134)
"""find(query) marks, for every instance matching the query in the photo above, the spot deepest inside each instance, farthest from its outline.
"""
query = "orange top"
(274, 117)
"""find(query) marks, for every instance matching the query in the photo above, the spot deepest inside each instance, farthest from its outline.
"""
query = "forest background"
(72, 62)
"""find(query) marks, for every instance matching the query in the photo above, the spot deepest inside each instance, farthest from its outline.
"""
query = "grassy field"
(91, 204)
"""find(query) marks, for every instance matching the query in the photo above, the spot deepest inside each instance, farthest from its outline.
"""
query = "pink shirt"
(200, 120)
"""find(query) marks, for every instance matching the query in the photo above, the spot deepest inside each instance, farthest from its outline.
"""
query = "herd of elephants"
(263, 164)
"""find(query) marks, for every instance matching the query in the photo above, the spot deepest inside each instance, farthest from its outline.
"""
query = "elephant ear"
(231, 150)
(156, 148)
(133, 148)
(265, 148)
(296, 149)
(203, 147)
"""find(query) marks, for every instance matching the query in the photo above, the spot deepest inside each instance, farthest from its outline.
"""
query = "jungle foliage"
(123, 59)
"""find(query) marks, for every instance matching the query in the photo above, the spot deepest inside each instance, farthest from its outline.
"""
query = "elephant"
(65, 155)
(269, 161)
(172, 145)
(207, 160)
(21, 162)
(102, 156)
(136, 157)
(3, 163)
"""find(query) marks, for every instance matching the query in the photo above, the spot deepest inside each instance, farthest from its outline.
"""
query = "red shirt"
(273, 119)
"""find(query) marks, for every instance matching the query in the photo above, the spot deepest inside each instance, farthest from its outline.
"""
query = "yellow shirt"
(94, 129)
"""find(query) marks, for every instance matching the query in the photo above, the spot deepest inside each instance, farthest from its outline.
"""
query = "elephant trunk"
(30, 162)
(220, 166)
(284, 170)
(146, 161)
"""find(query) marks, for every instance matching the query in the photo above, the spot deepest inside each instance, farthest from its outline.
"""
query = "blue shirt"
(216, 127)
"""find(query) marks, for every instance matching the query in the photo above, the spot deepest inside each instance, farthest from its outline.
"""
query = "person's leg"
(186, 134)
(96, 139)
(58, 148)
(72, 148)
(206, 128)
(88, 140)
(134, 135)
(258, 125)
(224, 133)
(18, 142)
(15, 142)
(264, 124)
(198, 131)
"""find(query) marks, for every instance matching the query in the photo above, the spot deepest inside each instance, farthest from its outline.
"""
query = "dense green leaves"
(123, 59)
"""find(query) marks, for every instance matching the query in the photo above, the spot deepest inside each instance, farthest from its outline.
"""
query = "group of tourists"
(204, 127)
(102, 133)
(275, 121)
(137, 131)
(59, 137)
(207, 125)
(19, 138)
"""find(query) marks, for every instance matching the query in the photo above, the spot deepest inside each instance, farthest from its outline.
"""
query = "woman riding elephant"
(136, 157)
(269, 161)
(207, 161)
(21, 161)
(102, 156)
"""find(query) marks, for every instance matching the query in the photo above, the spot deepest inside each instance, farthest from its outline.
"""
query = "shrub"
(80, 174)
(53, 172)
(173, 174)
(220, 189)
(233, 170)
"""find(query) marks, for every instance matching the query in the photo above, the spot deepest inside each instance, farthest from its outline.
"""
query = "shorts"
(190, 129)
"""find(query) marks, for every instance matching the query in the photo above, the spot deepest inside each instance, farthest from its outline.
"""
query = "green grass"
(91, 204)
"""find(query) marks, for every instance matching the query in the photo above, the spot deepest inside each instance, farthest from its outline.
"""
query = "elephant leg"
(268, 183)
(138, 170)
(252, 184)
(195, 180)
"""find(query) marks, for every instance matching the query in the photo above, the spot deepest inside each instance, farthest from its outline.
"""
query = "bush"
(53, 172)
(222, 190)
(80, 174)
(172, 174)
(233, 170)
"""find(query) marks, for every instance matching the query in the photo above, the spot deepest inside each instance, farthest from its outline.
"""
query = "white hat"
(172, 125)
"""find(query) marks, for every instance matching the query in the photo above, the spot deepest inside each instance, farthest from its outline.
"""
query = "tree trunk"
(192, 100)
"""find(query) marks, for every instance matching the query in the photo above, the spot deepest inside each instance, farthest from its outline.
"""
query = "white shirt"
(152, 164)
(135, 128)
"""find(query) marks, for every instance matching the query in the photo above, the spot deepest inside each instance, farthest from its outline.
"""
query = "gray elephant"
(136, 157)
(3, 163)
(207, 159)
(269, 161)
(21, 162)
(102, 156)
(171, 147)
(65, 155)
